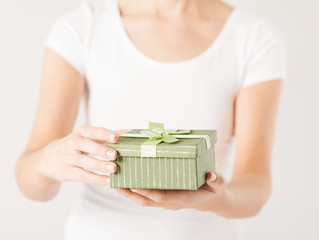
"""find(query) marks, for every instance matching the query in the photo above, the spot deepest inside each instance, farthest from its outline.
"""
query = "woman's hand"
(212, 196)
(67, 159)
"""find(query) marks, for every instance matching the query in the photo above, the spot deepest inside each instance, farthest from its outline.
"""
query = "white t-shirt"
(127, 89)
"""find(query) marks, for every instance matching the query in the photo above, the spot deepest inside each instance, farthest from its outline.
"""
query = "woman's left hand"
(209, 197)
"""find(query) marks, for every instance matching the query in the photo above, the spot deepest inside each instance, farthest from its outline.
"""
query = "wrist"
(224, 202)
(43, 164)
(32, 181)
(218, 202)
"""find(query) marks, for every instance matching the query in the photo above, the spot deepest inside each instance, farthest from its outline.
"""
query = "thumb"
(215, 181)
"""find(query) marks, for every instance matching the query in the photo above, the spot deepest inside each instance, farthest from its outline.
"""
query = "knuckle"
(99, 150)
(221, 180)
(79, 143)
(107, 134)
(78, 160)
(98, 165)
(67, 143)
(99, 132)
(96, 131)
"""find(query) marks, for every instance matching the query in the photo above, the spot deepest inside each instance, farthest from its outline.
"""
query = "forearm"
(32, 183)
(243, 197)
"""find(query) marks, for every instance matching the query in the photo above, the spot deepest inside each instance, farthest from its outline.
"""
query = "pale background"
(291, 213)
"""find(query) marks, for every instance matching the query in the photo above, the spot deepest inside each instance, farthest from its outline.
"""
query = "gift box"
(164, 159)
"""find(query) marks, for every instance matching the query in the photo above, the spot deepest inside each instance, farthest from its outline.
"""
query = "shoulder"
(262, 48)
(71, 32)
(256, 34)
(253, 27)
(88, 11)
(80, 20)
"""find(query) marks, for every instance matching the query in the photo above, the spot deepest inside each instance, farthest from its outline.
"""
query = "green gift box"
(167, 160)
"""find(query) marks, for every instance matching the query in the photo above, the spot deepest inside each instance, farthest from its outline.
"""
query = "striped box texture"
(182, 165)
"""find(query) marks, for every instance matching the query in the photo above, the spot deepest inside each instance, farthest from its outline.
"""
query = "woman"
(191, 64)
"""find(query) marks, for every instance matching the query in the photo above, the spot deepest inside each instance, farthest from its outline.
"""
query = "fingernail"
(111, 154)
(112, 137)
(213, 177)
(110, 167)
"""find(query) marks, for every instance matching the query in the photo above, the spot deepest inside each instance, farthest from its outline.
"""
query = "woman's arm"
(53, 154)
(255, 122)
(250, 186)
(61, 91)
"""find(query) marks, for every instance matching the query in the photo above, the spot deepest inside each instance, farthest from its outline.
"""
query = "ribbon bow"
(157, 134)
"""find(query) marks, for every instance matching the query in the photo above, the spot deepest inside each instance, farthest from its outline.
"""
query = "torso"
(185, 75)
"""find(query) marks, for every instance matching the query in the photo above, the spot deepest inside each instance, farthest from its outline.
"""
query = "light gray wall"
(292, 212)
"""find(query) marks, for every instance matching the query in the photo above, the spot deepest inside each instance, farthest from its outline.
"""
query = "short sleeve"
(265, 55)
(67, 37)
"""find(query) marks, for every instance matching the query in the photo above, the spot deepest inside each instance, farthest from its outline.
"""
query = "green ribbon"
(157, 134)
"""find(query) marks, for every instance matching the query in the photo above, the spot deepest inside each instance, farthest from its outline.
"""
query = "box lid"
(184, 148)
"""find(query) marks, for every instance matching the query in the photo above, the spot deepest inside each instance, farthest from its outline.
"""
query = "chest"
(124, 83)
(171, 40)
(123, 86)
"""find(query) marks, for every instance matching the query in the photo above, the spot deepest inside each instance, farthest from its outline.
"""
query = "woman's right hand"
(66, 159)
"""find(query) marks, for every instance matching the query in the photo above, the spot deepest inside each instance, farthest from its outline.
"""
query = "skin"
(55, 154)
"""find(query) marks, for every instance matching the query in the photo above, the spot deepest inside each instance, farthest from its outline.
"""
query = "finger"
(122, 131)
(137, 198)
(81, 175)
(98, 134)
(91, 147)
(175, 205)
(215, 181)
(158, 196)
(83, 161)
(168, 196)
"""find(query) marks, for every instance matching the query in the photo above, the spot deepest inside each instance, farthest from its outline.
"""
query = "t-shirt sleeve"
(265, 58)
(67, 37)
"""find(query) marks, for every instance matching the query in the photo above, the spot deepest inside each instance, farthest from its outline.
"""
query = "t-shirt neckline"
(148, 60)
